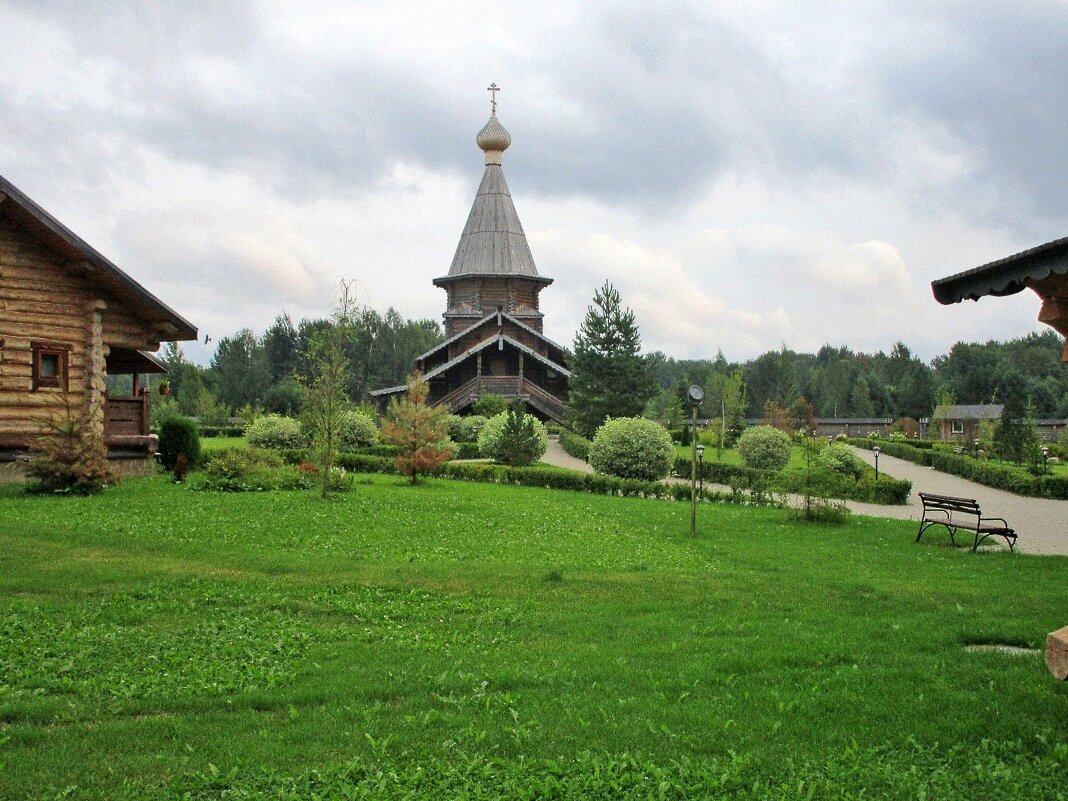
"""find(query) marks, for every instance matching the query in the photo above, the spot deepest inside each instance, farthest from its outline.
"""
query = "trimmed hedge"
(551, 478)
(221, 431)
(1011, 479)
(575, 444)
(886, 490)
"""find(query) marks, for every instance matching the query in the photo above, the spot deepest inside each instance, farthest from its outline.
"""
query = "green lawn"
(218, 443)
(463, 640)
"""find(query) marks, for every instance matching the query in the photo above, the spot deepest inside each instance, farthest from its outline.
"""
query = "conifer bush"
(71, 457)
(764, 448)
(178, 435)
(275, 431)
(632, 447)
(513, 437)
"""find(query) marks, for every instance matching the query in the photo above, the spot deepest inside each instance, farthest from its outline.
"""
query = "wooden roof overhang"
(1043, 269)
(500, 340)
(497, 315)
(165, 323)
(126, 361)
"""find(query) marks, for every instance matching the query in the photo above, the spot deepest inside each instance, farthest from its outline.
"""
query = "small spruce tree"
(609, 375)
(419, 430)
(1016, 438)
(520, 443)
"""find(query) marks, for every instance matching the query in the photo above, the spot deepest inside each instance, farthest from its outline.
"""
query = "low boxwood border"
(552, 478)
(888, 491)
(1010, 479)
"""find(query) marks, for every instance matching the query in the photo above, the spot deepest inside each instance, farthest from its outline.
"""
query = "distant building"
(960, 423)
(493, 321)
(69, 318)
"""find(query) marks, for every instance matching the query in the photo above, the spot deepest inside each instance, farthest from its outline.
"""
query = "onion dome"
(494, 139)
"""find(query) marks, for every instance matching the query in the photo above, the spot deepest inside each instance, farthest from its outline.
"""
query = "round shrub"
(465, 429)
(275, 431)
(490, 405)
(471, 427)
(178, 435)
(842, 460)
(513, 439)
(358, 431)
(632, 447)
(764, 448)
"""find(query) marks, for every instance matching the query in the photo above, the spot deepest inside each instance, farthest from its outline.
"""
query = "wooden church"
(493, 321)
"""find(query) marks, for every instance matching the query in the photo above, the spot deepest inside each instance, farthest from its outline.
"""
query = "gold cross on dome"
(493, 89)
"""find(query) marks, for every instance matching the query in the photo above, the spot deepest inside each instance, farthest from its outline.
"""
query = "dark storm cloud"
(995, 77)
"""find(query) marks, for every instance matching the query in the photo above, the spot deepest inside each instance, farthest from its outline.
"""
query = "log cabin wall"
(46, 301)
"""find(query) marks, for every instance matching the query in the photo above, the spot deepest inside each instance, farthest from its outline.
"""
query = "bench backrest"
(949, 503)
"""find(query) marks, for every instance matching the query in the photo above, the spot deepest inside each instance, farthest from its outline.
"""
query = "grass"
(455, 639)
(220, 443)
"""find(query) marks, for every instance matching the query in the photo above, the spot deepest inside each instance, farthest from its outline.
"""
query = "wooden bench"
(962, 513)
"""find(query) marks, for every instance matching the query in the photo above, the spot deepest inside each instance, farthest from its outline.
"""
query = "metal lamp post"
(975, 445)
(876, 450)
(694, 395)
(700, 469)
(1045, 458)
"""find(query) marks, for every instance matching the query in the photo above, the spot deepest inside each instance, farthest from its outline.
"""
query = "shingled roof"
(493, 241)
(1005, 276)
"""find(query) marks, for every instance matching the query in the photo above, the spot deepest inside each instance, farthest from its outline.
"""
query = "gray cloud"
(206, 139)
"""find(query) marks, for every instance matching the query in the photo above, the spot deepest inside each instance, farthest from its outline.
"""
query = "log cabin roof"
(82, 257)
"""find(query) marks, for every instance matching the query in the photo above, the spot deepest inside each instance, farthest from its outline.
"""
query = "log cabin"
(69, 318)
(494, 342)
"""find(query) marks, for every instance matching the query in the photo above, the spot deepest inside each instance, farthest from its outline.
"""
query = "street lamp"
(876, 450)
(975, 444)
(694, 395)
(1045, 457)
(701, 469)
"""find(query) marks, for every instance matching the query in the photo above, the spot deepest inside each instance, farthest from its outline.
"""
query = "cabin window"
(50, 363)
(958, 426)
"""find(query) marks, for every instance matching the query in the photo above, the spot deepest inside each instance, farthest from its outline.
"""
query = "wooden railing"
(126, 417)
(508, 386)
(544, 401)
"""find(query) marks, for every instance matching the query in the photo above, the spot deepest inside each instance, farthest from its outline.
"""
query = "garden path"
(1041, 523)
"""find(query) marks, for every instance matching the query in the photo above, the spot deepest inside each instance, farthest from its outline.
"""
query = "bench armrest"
(1001, 520)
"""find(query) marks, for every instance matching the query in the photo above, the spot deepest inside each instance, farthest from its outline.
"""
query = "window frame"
(956, 427)
(61, 380)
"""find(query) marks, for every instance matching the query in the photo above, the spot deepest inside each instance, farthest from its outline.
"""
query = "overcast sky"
(749, 175)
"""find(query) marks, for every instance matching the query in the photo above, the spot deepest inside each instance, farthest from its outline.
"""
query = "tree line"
(266, 372)
(839, 382)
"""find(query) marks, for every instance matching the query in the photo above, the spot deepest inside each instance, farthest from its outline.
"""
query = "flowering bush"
(632, 447)
(275, 431)
(841, 459)
(358, 431)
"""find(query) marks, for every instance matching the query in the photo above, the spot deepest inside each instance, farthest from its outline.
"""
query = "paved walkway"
(1042, 524)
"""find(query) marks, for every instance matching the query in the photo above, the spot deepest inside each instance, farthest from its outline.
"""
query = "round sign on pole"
(695, 394)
